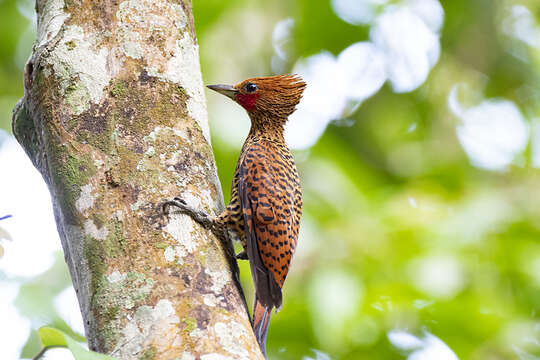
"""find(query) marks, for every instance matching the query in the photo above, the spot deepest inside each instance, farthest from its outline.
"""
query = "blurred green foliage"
(12, 26)
(53, 338)
(385, 207)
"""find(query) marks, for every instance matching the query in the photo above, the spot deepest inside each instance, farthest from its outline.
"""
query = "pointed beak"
(226, 90)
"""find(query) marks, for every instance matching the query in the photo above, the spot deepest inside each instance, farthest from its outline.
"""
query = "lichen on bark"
(114, 118)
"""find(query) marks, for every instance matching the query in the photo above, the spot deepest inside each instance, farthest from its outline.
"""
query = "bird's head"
(271, 98)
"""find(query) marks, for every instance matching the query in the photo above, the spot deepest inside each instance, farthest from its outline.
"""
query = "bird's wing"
(267, 201)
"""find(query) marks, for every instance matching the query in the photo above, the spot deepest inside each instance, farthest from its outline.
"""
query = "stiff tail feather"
(261, 320)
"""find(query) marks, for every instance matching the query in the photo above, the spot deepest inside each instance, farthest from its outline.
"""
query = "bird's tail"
(261, 320)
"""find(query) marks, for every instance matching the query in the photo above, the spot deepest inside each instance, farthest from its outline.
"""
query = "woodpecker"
(266, 198)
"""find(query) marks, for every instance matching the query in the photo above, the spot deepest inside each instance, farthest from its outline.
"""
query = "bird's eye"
(250, 87)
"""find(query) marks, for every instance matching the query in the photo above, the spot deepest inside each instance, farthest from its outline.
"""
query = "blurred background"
(418, 146)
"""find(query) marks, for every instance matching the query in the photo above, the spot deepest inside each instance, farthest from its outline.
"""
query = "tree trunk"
(114, 118)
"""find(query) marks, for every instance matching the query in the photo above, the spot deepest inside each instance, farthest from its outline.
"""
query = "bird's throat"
(247, 100)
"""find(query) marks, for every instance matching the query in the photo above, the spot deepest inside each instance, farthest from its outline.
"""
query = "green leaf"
(32, 345)
(51, 337)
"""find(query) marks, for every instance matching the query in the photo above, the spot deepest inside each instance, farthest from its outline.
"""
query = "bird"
(266, 198)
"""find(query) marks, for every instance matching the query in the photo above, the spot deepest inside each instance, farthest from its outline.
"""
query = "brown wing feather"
(274, 239)
(271, 228)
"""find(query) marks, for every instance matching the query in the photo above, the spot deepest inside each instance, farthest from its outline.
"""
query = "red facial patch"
(247, 100)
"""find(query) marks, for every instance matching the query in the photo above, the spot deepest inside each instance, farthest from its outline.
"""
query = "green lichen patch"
(125, 291)
(87, 137)
(95, 127)
(69, 3)
(149, 354)
(25, 131)
(99, 220)
(94, 15)
(70, 172)
(139, 113)
(115, 243)
(115, 294)
(124, 170)
(190, 324)
(141, 106)
(201, 256)
(77, 96)
(92, 252)
(70, 45)
(97, 252)
(118, 89)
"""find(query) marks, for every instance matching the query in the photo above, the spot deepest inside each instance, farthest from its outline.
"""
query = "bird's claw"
(177, 202)
(199, 216)
(208, 222)
(180, 200)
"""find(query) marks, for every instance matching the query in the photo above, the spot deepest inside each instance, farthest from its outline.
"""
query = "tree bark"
(114, 118)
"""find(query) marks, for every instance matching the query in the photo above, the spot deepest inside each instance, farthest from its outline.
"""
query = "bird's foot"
(209, 223)
(204, 219)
